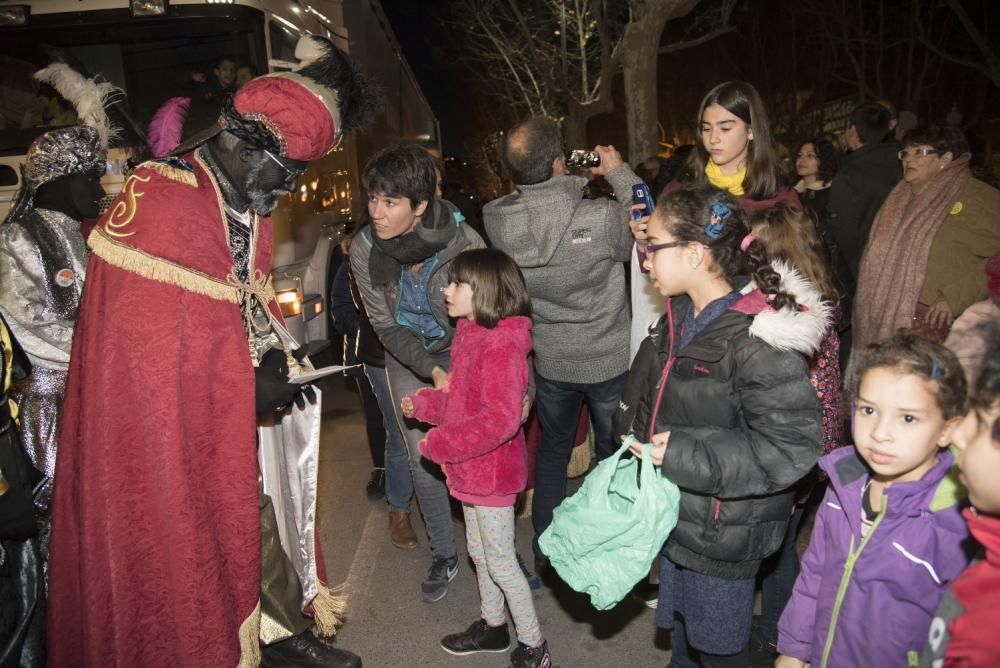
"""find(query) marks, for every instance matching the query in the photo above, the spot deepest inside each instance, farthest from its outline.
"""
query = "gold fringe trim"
(250, 640)
(329, 607)
(173, 173)
(154, 268)
(271, 631)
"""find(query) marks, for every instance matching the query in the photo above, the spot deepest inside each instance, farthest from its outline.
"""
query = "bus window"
(198, 57)
(283, 40)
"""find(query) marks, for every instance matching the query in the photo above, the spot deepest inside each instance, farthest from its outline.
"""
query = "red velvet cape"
(155, 535)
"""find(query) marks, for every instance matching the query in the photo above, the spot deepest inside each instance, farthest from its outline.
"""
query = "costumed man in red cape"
(174, 541)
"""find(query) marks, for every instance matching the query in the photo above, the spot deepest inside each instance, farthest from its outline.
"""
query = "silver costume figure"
(43, 263)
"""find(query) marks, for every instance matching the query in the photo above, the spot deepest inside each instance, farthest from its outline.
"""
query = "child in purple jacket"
(889, 536)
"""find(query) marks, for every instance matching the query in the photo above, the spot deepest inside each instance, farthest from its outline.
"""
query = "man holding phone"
(572, 252)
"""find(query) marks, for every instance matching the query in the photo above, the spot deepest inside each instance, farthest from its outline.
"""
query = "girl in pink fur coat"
(478, 442)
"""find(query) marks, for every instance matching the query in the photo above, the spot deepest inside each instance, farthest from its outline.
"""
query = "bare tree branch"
(991, 68)
(688, 43)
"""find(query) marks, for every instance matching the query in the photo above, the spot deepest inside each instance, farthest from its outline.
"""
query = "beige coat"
(968, 237)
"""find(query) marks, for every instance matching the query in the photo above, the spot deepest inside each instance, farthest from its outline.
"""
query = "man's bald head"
(529, 150)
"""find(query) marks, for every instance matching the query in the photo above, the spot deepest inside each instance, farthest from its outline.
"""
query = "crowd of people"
(750, 299)
(825, 349)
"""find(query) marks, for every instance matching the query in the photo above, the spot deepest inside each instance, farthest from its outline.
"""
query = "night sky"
(419, 30)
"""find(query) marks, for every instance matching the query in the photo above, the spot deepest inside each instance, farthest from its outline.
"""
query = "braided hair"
(709, 216)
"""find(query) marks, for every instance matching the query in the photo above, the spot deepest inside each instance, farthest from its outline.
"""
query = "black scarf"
(433, 232)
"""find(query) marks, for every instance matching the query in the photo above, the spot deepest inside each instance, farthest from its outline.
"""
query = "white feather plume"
(309, 49)
(87, 96)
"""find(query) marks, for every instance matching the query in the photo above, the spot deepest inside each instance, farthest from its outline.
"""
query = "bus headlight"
(14, 15)
(290, 302)
(148, 7)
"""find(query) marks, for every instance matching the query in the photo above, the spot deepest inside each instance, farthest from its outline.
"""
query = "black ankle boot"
(375, 487)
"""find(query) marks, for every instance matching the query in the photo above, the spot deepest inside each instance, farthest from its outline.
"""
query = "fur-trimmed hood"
(799, 330)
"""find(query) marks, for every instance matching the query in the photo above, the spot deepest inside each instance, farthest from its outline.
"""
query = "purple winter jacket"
(870, 602)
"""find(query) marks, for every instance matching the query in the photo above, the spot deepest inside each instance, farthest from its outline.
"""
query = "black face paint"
(268, 180)
(87, 193)
(76, 195)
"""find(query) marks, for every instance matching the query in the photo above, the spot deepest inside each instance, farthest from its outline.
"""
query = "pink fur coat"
(478, 438)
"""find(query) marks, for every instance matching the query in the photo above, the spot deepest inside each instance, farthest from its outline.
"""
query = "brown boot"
(400, 531)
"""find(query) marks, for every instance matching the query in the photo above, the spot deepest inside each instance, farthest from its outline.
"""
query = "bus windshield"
(205, 54)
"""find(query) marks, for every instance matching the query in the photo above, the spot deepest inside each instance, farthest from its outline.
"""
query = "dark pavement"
(389, 625)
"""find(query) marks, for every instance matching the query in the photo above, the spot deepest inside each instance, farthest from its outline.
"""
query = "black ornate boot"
(306, 651)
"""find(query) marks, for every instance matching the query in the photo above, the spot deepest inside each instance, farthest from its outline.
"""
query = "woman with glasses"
(929, 243)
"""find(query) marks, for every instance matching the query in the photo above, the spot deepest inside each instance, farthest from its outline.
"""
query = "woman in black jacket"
(721, 389)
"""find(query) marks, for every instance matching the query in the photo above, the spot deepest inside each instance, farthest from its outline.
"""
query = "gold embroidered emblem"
(124, 210)
(956, 208)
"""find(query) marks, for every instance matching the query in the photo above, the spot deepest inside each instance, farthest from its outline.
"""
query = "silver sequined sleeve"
(27, 296)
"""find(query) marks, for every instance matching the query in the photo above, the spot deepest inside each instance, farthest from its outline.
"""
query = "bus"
(157, 49)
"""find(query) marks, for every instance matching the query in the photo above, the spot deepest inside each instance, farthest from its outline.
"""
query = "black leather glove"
(307, 394)
(273, 389)
(17, 515)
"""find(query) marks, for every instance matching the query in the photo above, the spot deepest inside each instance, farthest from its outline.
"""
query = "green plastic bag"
(603, 539)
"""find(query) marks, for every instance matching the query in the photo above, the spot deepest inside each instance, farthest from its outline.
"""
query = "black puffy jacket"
(744, 423)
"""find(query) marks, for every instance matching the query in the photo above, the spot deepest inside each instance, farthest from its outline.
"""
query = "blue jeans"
(428, 479)
(558, 406)
(398, 482)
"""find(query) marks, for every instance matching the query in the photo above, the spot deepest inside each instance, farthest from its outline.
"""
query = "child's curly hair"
(688, 215)
(909, 353)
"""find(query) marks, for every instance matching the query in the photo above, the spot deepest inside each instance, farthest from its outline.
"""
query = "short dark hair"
(403, 170)
(826, 153)
(529, 148)
(942, 138)
(890, 107)
(871, 121)
(498, 288)
(907, 352)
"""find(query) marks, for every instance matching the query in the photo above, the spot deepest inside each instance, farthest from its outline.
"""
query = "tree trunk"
(639, 64)
(639, 55)
(575, 127)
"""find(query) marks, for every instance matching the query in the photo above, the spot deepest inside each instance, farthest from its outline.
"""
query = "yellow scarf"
(734, 183)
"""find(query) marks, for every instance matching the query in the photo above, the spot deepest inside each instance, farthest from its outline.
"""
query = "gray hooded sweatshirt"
(572, 253)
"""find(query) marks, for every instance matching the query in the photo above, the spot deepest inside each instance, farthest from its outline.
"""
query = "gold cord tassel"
(329, 607)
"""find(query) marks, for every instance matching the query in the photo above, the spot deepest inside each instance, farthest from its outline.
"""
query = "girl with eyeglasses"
(721, 389)
(930, 241)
